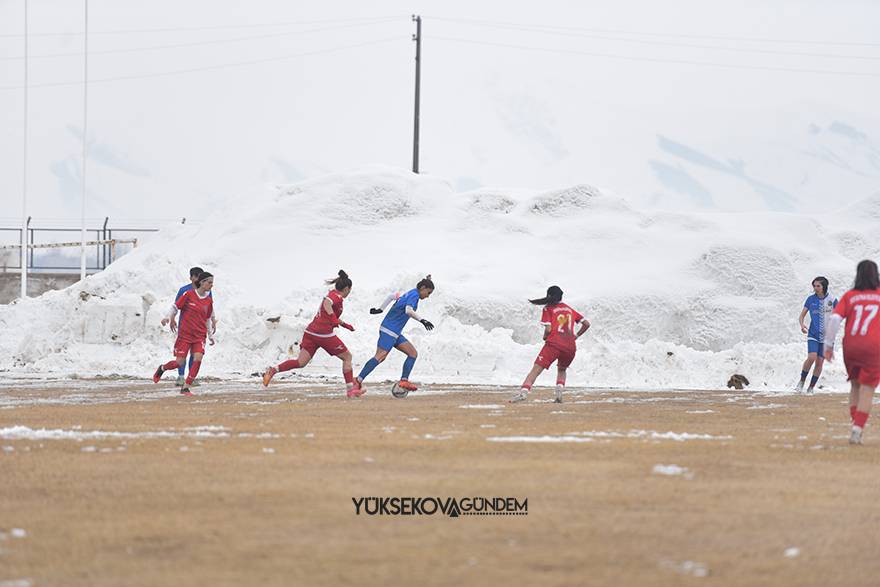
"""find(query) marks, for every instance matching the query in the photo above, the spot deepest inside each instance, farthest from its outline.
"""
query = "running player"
(819, 306)
(193, 329)
(319, 334)
(861, 343)
(194, 273)
(559, 341)
(391, 332)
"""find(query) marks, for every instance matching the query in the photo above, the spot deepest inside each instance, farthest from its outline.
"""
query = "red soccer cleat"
(158, 374)
(405, 384)
(185, 390)
(357, 390)
(268, 375)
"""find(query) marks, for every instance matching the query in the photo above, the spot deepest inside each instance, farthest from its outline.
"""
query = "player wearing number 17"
(559, 341)
(861, 343)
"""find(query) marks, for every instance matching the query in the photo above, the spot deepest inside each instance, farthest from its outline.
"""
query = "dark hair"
(866, 275)
(426, 282)
(554, 296)
(823, 282)
(202, 277)
(195, 272)
(341, 282)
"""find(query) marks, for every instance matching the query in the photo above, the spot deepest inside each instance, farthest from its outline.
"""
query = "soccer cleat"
(407, 385)
(811, 390)
(195, 383)
(158, 374)
(519, 397)
(856, 436)
(799, 388)
(180, 381)
(185, 390)
(558, 399)
(357, 389)
(268, 375)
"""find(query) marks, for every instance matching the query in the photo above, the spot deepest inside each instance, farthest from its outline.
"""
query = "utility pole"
(24, 187)
(418, 39)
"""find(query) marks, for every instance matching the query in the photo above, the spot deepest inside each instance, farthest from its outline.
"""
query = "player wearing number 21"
(559, 341)
(861, 343)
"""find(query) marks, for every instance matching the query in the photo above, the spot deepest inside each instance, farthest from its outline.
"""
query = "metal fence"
(41, 256)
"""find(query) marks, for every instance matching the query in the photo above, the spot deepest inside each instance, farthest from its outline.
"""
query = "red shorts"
(182, 348)
(862, 367)
(332, 344)
(550, 353)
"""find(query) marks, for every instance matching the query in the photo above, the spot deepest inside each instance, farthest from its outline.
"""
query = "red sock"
(558, 382)
(852, 412)
(348, 376)
(193, 371)
(170, 365)
(288, 365)
(526, 386)
(860, 419)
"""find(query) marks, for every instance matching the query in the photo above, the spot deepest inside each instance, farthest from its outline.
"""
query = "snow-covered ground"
(677, 300)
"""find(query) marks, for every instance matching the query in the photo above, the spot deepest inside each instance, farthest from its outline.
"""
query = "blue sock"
(190, 362)
(368, 368)
(803, 376)
(181, 371)
(407, 367)
(813, 381)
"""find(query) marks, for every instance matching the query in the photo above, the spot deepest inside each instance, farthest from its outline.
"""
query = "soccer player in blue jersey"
(391, 333)
(194, 273)
(819, 306)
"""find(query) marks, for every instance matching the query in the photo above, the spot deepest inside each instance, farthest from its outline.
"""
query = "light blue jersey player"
(391, 333)
(194, 273)
(819, 306)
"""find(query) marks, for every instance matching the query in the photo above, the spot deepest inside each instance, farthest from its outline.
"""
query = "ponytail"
(341, 282)
(426, 282)
(554, 296)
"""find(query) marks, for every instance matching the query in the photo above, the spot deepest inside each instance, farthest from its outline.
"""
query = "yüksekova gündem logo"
(444, 506)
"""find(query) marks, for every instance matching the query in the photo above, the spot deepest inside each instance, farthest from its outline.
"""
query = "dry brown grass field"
(127, 483)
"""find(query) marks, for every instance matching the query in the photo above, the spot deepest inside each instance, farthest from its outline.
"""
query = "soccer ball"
(398, 391)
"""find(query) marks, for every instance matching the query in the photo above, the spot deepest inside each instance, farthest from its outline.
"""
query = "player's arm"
(830, 334)
(585, 325)
(801, 320)
(172, 312)
(411, 312)
(392, 297)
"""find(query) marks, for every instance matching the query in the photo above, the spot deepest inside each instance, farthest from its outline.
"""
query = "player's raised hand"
(427, 324)
(375, 310)
(347, 326)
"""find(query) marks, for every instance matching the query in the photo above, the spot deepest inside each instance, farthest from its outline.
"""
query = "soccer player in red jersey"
(559, 341)
(193, 329)
(861, 343)
(319, 334)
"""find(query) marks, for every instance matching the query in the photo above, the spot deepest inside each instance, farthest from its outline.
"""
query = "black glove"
(427, 324)
(375, 310)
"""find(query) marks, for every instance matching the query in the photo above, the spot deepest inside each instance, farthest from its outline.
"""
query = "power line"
(204, 28)
(652, 59)
(533, 29)
(208, 68)
(200, 43)
(655, 34)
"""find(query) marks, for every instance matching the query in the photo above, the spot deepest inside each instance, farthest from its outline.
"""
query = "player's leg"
(181, 374)
(817, 369)
(560, 381)
(812, 353)
(347, 373)
(545, 358)
(180, 350)
(196, 365)
(868, 380)
(191, 361)
(412, 354)
(385, 344)
(299, 362)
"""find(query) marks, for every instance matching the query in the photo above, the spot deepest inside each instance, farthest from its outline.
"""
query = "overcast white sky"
(608, 94)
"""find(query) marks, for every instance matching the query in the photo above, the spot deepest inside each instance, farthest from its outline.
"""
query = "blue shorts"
(814, 346)
(389, 341)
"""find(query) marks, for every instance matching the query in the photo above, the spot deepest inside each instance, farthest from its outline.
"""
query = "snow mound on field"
(676, 300)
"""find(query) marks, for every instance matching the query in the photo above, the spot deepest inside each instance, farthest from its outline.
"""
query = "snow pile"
(677, 300)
